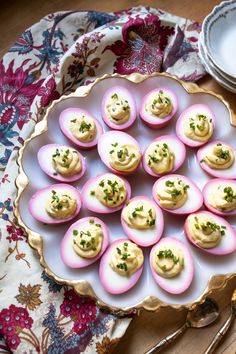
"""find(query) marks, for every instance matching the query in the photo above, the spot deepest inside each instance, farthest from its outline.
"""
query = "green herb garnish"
(169, 183)
(230, 196)
(168, 254)
(84, 127)
(122, 266)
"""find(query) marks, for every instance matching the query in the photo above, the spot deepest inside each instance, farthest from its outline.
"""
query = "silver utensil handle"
(219, 335)
(170, 338)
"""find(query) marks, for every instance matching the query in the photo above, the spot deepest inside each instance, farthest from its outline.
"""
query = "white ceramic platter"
(212, 70)
(219, 33)
(141, 183)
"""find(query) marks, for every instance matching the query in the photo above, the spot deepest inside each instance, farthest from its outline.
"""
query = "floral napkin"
(51, 58)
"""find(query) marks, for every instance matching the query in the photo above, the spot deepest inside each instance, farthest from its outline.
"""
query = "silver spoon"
(222, 331)
(200, 316)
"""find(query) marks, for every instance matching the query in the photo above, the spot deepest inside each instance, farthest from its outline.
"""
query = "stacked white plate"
(217, 44)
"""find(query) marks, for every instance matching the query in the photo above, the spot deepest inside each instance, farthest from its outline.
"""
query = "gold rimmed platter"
(211, 272)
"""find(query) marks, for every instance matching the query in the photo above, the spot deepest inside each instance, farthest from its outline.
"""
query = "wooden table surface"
(148, 327)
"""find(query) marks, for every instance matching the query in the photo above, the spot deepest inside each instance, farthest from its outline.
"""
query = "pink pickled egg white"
(180, 283)
(38, 201)
(228, 173)
(105, 146)
(211, 188)
(193, 202)
(175, 145)
(125, 94)
(69, 256)
(228, 241)
(113, 282)
(190, 112)
(155, 122)
(64, 121)
(45, 161)
(92, 203)
(145, 237)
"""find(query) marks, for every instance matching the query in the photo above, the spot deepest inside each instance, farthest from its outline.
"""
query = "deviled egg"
(61, 162)
(121, 266)
(177, 194)
(80, 127)
(105, 193)
(84, 242)
(158, 107)
(118, 108)
(218, 159)
(195, 126)
(119, 151)
(142, 221)
(220, 196)
(163, 155)
(210, 233)
(55, 204)
(172, 265)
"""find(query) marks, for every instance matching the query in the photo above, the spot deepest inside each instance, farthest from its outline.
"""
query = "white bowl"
(212, 70)
(219, 37)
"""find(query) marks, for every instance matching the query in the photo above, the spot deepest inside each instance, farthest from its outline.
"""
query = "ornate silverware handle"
(219, 335)
(165, 341)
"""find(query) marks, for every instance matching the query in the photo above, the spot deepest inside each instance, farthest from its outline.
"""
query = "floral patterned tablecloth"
(51, 58)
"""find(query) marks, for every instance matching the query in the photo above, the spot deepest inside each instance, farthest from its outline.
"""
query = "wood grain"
(147, 328)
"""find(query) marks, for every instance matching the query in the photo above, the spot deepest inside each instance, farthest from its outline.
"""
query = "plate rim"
(211, 69)
(35, 240)
(209, 20)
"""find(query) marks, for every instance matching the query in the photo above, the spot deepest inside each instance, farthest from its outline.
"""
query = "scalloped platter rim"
(46, 239)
